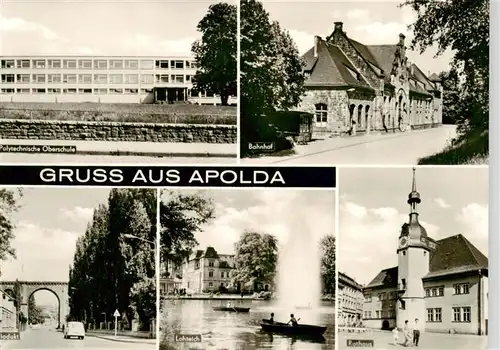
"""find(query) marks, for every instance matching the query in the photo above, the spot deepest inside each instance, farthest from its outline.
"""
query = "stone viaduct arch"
(28, 288)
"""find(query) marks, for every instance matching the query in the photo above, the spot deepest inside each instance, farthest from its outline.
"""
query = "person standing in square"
(416, 332)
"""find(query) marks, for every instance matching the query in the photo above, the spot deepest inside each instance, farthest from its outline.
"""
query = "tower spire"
(414, 184)
(414, 196)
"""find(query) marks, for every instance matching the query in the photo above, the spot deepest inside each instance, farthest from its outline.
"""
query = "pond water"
(240, 331)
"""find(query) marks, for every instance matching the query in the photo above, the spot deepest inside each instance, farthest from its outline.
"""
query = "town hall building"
(443, 283)
(353, 88)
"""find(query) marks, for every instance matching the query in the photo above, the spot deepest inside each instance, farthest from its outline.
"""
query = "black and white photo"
(247, 269)
(413, 265)
(78, 268)
(394, 82)
(102, 81)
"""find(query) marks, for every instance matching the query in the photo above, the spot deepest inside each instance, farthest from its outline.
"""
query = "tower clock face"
(403, 241)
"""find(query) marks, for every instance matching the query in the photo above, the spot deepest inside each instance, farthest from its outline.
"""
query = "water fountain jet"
(299, 284)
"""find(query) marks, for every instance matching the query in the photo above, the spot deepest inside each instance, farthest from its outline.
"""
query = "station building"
(353, 88)
(57, 79)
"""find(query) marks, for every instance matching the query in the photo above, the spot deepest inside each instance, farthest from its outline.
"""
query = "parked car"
(74, 329)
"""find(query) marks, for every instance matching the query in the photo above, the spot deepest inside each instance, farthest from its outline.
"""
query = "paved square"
(428, 341)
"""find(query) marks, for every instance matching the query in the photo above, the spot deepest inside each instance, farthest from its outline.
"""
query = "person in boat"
(271, 320)
(293, 321)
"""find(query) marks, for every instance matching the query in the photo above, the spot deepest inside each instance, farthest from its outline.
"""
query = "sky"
(100, 27)
(369, 22)
(282, 213)
(48, 223)
(373, 208)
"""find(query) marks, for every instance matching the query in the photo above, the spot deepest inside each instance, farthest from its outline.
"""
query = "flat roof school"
(101, 79)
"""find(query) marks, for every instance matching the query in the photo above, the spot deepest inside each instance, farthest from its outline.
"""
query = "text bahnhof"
(157, 176)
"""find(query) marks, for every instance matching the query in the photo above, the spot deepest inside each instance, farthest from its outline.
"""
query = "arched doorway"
(48, 308)
(385, 325)
(367, 118)
(401, 110)
(360, 117)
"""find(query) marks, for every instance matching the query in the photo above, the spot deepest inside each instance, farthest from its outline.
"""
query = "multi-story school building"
(101, 80)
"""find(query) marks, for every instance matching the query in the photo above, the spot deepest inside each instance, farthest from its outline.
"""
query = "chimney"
(402, 39)
(338, 26)
(316, 43)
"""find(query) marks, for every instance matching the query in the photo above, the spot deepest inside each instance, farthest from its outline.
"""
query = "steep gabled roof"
(211, 253)
(364, 52)
(387, 278)
(417, 74)
(198, 254)
(331, 67)
(384, 54)
(456, 254)
(434, 77)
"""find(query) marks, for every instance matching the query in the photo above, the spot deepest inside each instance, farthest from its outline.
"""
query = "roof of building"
(211, 253)
(456, 254)
(345, 279)
(434, 77)
(386, 278)
(332, 68)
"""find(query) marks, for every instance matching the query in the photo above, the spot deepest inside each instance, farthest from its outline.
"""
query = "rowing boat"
(300, 329)
(231, 309)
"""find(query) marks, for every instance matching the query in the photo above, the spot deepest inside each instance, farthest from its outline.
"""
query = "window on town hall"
(377, 314)
(222, 274)
(427, 292)
(321, 113)
(456, 314)
(430, 315)
(437, 314)
(441, 291)
(210, 284)
(466, 314)
(211, 264)
(461, 288)
(434, 292)
(210, 274)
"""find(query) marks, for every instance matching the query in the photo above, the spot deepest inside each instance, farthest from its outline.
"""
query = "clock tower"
(413, 264)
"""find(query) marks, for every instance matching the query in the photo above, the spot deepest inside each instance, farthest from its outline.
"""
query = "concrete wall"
(116, 131)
